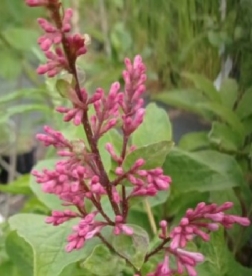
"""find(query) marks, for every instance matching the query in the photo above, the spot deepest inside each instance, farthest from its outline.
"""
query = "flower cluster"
(79, 175)
(199, 222)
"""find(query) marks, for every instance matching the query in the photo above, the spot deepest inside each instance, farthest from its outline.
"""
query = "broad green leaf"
(134, 248)
(180, 201)
(225, 114)
(20, 253)
(19, 186)
(105, 156)
(50, 200)
(194, 141)
(75, 270)
(224, 137)
(156, 127)
(34, 205)
(229, 92)
(138, 216)
(244, 107)
(219, 260)
(8, 268)
(159, 199)
(116, 140)
(154, 155)
(48, 243)
(25, 37)
(72, 132)
(204, 85)
(202, 171)
(184, 99)
(111, 264)
(247, 124)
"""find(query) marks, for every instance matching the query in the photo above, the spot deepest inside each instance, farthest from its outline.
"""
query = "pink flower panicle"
(85, 230)
(204, 217)
(59, 217)
(55, 34)
(131, 101)
(79, 175)
(106, 109)
(145, 182)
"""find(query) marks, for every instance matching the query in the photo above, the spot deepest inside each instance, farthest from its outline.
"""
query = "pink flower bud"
(139, 163)
(36, 3)
(119, 171)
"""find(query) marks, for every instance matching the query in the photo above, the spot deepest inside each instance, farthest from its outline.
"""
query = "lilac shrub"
(80, 174)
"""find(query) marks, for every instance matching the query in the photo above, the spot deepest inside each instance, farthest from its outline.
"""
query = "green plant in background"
(229, 115)
(225, 147)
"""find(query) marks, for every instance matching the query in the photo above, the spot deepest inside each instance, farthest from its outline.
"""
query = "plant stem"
(98, 205)
(85, 120)
(150, 216)
(157, 249)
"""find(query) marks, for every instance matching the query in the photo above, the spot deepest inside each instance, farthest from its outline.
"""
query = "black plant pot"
(24, 164)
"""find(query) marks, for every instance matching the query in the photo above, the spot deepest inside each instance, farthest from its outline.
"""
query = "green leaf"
(219, 261)
(120, 37)
(159, 199)
(105, 156)
(20, 253)
(75, 270)
(194, 140)
(34, 205)
(8, 268)
(184, 99)
(63, 87)
(247, 124)
(244, 107)
(116, 140)
(48, 243)
(156, 127)
(23, 108)
(180, 201)
(226, 114)
(229, 92)
(50, 200)
(10, 66)
(19, 94)
(19, 186)
(24, 36)
(204, 85)
(137, 215)
(111, 264)
(224, 137)
(202, 171)
(134, 247)
(154, 155)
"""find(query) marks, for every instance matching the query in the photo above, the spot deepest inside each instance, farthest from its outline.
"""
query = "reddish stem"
(85, 120)
(157, 249)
